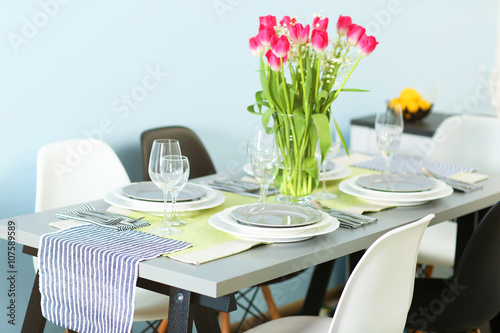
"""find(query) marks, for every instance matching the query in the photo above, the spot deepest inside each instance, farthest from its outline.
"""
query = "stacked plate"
(273, 223)
(333, 170)
(147, 197)
(396, 189)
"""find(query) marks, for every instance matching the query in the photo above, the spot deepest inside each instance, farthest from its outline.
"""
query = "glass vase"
(298, 174)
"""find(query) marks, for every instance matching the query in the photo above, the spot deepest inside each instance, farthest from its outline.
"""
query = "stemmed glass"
(332, 152)
(165, 170)
(174, 190)
(264, 159)
(389, 128)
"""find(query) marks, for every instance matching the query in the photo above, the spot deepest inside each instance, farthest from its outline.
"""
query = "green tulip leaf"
(323, 129)
(341, 137)
(266, 116)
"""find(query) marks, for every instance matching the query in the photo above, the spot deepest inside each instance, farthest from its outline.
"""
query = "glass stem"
(165, 197)
(174, 200)
(263, 193)
(387, 163)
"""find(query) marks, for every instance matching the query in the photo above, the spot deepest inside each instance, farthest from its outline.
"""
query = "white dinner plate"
(276, 215)
(392, 182)
(148, 191)
(225, 216)
(337, 174)
(438, 187)
(211, 199)
(339, 171)
(397, 199)
(239, 230)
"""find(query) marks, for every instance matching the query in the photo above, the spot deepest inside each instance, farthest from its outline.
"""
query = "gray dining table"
(196, 291)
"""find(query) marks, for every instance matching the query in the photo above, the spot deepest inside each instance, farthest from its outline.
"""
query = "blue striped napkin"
(406, 164)
(88, 275)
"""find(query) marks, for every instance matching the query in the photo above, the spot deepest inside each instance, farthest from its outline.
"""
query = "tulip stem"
(346, 78)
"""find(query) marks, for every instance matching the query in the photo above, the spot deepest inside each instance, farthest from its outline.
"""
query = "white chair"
(377, 295)
(76, 171)
(463, 140)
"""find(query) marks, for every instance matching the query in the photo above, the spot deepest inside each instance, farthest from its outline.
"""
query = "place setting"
(169, 172)
(274, 223)
(398, 189)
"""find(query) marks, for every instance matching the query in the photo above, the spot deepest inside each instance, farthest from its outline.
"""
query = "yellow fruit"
(410, 94)
(412, 107)
(424, 105)
(393, 103)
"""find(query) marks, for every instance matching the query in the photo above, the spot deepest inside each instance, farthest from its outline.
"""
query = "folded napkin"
(88, 275)
(406, 164)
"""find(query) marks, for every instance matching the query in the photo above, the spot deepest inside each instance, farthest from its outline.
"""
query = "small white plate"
(395, 182)
(225, 216)
(212, 199)
(276, 215)
(148, 191)
(348, 186)
(338, 172)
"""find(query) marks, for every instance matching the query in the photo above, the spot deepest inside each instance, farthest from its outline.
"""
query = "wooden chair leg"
(271, 305)
(225, 323)
(162, 328)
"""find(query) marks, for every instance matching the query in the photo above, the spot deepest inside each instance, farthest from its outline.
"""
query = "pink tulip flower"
(274, 61)
(268, 21)
(354, 34)
(280, 46)
(366, 45)
(256, 47)
(298, 34)
(343, 25)
(287, 21)
(266, 34)
(320, 23)
(319, 39)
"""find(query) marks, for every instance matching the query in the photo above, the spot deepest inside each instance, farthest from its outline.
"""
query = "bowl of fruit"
(413, 105)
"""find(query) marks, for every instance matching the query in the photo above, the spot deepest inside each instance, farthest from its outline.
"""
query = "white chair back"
(75, 171)
(472, 141)
(378, 294)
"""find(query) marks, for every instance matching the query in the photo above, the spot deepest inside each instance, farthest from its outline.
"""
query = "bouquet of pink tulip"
(299, 74)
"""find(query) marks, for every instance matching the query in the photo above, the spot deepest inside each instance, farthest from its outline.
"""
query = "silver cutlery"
(87, 213)
(457, 185)
(234, 188)
(346, 219)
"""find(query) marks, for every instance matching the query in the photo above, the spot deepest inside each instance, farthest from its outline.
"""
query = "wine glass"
(165, 170)
(332, 152)
(174, 190)
(389, 128)
(264, 160)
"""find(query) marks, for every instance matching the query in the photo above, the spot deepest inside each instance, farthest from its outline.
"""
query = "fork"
(350, 220)
(457, 185)
(364, 218)
(87, 213)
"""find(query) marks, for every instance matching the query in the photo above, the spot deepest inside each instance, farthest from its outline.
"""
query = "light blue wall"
(66, 78)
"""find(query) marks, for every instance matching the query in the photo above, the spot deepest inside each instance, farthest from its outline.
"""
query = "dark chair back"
(191, 146)
(471, 297)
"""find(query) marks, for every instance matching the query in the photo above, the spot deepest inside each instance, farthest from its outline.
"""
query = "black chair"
(191, 146)
(471, 297)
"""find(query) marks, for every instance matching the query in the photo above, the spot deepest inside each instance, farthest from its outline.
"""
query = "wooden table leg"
(34, 321)
(317, 289)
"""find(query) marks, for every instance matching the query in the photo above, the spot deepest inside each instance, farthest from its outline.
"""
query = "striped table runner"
(88, 275)
(404, 164)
